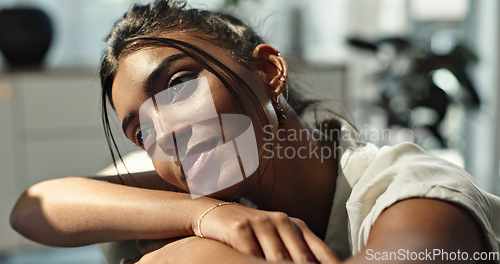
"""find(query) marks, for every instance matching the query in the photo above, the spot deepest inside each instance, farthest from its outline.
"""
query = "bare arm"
(413, 225)
(197, 250)
(417, 225)
(79, 211)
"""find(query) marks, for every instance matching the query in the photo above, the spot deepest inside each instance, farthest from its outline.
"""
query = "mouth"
(196, 156)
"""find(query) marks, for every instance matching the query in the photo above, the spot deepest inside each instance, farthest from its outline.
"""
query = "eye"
(142, 135)
(177, 90)
(182, 79)
(176, 84)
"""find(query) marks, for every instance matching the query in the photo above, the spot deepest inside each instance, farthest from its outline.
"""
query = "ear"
(272, 67)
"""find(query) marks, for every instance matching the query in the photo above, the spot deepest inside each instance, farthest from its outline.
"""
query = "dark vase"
(25, 36)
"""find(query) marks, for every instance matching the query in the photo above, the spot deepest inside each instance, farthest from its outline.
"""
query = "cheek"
(258, 114)
(224, 101)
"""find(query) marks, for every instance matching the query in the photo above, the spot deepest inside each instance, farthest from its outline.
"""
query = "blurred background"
(425, 71)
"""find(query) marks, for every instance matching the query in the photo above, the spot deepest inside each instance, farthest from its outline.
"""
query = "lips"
(193, 172)
(196, 155)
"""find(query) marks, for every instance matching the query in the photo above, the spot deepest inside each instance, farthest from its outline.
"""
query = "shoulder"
(383, 178)
(424, 229)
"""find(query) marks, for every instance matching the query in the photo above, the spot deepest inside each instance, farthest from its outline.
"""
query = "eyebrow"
(166, 63)
(151, 80)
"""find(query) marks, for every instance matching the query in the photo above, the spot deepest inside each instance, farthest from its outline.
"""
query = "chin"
(232, 193)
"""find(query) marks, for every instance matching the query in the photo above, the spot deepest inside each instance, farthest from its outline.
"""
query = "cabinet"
(49, 128)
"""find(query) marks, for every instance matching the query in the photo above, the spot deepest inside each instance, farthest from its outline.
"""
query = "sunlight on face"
(181, 124)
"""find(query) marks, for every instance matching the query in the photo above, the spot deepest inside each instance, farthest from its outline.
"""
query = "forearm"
(79, 211)
(198, 250)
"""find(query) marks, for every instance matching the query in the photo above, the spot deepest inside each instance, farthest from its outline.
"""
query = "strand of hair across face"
(181, 46)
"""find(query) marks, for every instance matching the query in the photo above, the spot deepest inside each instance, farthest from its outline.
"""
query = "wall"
(483, 127)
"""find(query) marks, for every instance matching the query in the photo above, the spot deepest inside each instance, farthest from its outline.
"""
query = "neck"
(300, 178)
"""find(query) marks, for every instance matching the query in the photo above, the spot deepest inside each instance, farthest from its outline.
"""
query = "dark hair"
(142, 25)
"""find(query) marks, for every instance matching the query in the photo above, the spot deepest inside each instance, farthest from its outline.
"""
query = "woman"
(207, 99)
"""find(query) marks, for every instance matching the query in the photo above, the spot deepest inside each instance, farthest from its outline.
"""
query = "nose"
(173, 144)
(166, 143)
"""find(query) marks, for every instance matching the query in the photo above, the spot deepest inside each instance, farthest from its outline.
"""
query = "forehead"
(131, 76)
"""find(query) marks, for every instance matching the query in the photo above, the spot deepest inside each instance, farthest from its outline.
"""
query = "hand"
(272, 235)
(319, 249)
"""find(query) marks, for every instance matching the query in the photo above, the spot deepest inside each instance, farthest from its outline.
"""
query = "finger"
(269, 239)
(293, 239)
(317, 247)
(244, 239)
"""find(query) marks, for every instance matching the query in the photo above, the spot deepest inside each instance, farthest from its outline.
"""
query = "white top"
(372, 179)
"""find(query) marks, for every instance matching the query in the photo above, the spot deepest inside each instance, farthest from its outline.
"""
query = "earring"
(280, 112)
(282, 78)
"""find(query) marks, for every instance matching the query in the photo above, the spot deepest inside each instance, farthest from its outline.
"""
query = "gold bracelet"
(208, 211)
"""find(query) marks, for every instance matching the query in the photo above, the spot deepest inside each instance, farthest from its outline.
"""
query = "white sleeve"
(406, 171)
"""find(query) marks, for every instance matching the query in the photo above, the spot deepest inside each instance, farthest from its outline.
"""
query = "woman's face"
(196, 133)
